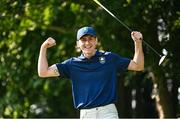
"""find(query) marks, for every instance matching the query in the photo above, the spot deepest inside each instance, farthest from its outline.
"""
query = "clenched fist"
(136, 36)
(49, 43)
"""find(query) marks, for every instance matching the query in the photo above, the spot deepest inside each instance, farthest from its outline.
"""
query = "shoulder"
(115, 57)
(110, 56)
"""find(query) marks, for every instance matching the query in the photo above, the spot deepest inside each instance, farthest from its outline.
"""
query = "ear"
(77, 47)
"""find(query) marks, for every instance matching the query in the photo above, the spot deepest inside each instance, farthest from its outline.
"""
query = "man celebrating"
(93, 74)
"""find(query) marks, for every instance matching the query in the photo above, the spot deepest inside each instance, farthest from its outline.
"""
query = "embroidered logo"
(102, 60)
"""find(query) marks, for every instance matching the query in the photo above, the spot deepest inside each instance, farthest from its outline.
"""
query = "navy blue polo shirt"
(94, 80)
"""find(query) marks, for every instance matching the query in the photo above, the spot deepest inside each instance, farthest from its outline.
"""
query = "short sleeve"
(121, 62)
(64, 68)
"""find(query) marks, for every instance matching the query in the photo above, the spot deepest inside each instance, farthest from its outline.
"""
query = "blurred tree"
(24, 25)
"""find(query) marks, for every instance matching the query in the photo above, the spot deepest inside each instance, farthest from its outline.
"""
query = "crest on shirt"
(102, 60)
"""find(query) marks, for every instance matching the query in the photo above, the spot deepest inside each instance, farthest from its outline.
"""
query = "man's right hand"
(49, 43)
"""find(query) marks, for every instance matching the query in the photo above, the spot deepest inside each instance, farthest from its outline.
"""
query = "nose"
(87, 41)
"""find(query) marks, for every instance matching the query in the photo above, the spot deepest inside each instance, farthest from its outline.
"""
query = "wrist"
(138, 44)
(43, 46)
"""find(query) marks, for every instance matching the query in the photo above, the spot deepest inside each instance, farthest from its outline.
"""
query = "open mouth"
(87, 47)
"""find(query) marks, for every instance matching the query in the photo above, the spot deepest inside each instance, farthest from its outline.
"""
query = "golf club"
(162, 57)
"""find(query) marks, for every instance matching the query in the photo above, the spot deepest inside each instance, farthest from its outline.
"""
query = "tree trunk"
(162, 97)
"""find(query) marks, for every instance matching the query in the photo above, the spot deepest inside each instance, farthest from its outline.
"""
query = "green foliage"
(25, 24)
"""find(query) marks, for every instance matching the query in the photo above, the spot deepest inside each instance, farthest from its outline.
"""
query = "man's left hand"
(136, 36)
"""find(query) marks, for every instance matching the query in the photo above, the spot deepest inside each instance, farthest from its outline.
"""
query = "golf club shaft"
(151, 48)
(97, 2)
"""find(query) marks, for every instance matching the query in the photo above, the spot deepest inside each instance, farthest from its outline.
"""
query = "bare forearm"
(139, 56)
(42, 61)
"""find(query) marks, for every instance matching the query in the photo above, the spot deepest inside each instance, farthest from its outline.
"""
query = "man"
(93, 74)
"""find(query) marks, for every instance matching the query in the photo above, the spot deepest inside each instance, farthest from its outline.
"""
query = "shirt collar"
(96, 54)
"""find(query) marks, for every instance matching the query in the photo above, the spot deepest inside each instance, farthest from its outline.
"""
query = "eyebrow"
(87, 36)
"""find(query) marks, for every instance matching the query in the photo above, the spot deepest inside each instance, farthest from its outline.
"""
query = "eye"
(83, 39)
(87, 38)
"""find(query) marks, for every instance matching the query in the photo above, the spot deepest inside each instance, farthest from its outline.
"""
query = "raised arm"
(43, 68)
(137, 64)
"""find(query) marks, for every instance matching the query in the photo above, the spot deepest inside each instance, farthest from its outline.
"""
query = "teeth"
(88, 47)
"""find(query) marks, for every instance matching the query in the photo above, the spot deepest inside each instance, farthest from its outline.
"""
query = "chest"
(92, 70)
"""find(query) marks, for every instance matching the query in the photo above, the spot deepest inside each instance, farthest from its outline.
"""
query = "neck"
(89, 55)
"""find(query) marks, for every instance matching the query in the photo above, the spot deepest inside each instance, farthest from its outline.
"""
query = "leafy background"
(25, 24)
